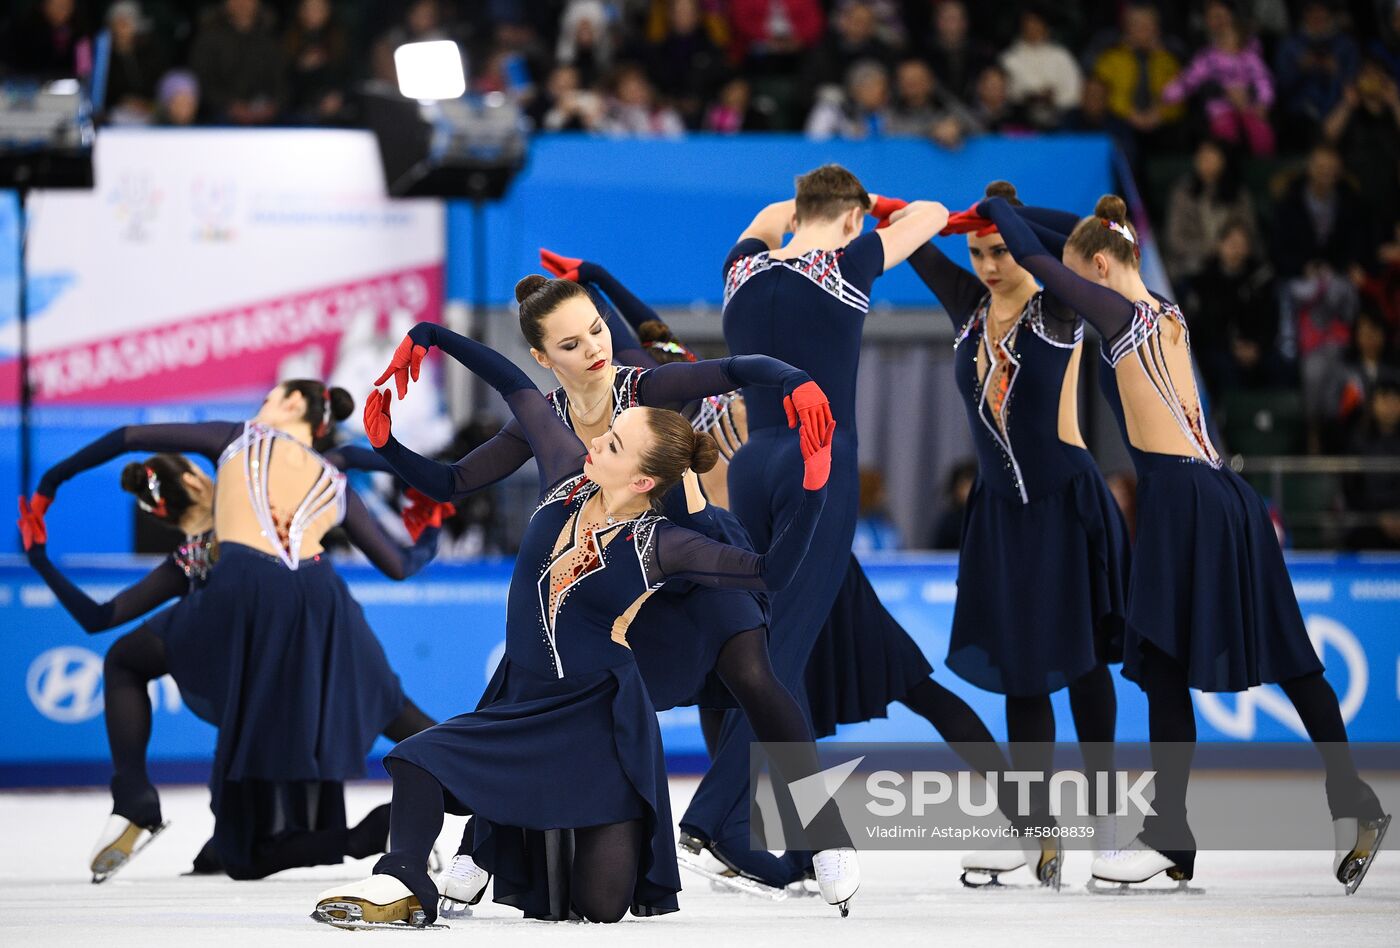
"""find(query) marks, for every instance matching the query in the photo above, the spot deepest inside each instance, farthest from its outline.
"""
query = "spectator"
(52, 40)
(853, 38)
(958, 58)
(1371, 355)
(924, 110)
(584, 41)
(862, 112)
(239, 64)
(1321, 220)
(1312, 68)
(315, 49)
(1093, 115)
(874, 528)
(1233, 82)
(136, 66)
(1385, 48)
(1365, 127)
(177, 98)
(566, 106)
(1045, 79)
(1318, 310)
(991, 108)
(632, 108)
(734, 110)
(685, 63)
(1378, 494)
(1234, 315)
(1200, 206)
(1137, 71)
(422, 20)
(771, 36)
(947, 531)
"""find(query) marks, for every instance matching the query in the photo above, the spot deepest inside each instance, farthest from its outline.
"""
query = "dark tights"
(1030, 726)
(1172, 728)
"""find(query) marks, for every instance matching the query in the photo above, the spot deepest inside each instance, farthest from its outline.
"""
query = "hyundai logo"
(65, 684)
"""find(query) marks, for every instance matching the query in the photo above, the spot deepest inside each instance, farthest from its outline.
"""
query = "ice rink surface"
(905, 898)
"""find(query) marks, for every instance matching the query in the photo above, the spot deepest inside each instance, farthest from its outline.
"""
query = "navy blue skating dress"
(271, 649)
(1209, 587)
(678, 633)
(863, 659)
(1028, 631)
(565, 735)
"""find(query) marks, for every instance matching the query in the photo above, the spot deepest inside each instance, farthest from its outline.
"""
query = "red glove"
(816, 460)
(39, 503)
(808, 405)
(882, 209)
(968, 222)
(563, 268)
(407, 362)
(422, 512)
(376, 418)
(32, 529)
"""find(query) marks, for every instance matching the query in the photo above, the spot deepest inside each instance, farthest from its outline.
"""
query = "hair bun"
(1003, 189)
(342, 404)
(705, 453)
(654, 330)
(134, 477)
(528, 285)
(1112, 208)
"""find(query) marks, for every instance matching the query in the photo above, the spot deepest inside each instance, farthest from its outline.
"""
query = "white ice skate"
(461, 887)
(1358, 841)
(381, 901)
(696, 855)
(982, 870)
(1105, 835)
(119, 843)
(838, 875)
(1130, 867)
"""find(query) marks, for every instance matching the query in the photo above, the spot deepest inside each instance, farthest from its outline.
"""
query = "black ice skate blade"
(359, 925)
(994, 884)
(1113, 887)
(736, 883)
(99, 877)
(1355, 883)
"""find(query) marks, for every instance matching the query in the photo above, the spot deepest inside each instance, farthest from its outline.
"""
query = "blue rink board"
(443, 633)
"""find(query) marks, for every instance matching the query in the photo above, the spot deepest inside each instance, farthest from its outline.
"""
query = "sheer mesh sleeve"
(685, 554)
(208, 438)
(959, 291)
(391, 559)
(167, 581)
(1110, 312)
(625, 343)
(483, 466)
(679, 383)
(558, 451)
(353, 457)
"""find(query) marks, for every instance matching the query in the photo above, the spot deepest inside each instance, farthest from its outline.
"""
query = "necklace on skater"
(581, 414)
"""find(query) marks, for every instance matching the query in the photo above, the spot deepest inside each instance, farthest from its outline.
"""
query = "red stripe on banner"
(236, 349)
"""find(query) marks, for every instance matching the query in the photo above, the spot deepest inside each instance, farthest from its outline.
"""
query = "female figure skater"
(1026, 634)
(863, 659)
(1210, 603)
(567, 688)
(180, 496)
(693, 645)
(271, 649)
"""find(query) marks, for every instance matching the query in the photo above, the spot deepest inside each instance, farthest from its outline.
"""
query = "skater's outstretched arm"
(352, 457)
(685, 554)
(208, 438)
(910, 228)
(1110, 311)
(391, 559)
(679, 383)
(768, 226)
(959, 291)
(558, 451)
(167, 581)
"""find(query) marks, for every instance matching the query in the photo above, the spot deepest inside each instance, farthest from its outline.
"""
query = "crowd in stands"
(1265, 133)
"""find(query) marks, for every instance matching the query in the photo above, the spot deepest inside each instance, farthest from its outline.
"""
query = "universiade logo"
(895, 794)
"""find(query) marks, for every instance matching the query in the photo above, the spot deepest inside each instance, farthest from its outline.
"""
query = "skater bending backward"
(293, 677)
(567, 692)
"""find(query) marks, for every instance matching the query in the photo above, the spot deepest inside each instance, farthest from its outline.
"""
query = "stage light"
(430, 70)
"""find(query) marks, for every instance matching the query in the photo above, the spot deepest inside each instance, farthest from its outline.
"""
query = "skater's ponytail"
(159, 487)
(1108, 232)
(675, 448)
(539, 296)
(661, 344)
